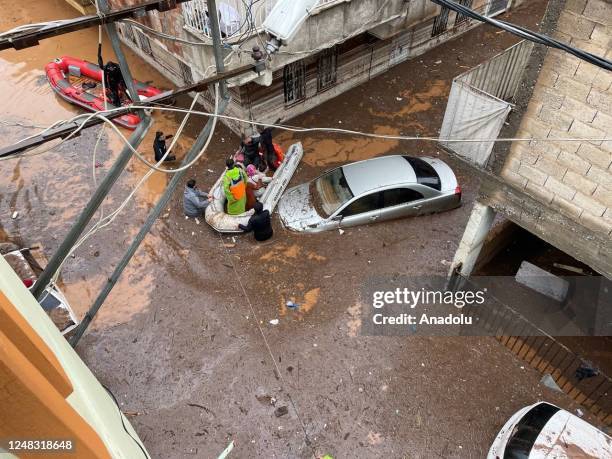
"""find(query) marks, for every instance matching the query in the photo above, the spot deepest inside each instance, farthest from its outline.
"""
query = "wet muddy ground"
(178, 340)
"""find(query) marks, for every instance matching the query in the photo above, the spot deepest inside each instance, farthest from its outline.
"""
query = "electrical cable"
(144, 452)
(297, 129)
(527, 34)
(106, 221)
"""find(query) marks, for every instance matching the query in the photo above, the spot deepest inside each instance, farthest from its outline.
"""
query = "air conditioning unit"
(284, 21)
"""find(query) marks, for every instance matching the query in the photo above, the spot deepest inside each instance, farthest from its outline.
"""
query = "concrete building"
(559, 191)
(342, 44)
(48, 395)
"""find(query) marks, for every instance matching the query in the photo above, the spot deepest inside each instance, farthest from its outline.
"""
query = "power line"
(527, 34)
(71, 128)
(29, 35)
(104, 117)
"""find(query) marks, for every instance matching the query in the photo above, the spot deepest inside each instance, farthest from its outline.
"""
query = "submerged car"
(377, 189)
(543, 431)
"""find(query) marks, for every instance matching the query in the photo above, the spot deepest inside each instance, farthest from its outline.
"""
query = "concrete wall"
(572, 99)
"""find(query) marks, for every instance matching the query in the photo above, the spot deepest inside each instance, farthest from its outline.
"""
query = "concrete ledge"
(82, 6)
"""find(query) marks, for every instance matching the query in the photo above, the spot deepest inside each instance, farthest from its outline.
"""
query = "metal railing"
(236, 17)
(500, 76)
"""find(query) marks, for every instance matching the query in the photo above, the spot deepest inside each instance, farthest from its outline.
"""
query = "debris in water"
(197, 221)
(549, 382)
(341, 231)
(281, 411)
(399, 99)
(438, 62)
(292, 305)
(15, 215)
(274, 322)
(585, 370)
(229, 246)
(579, 412)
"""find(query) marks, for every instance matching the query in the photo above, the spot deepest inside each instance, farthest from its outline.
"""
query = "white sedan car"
(367, 191)
(544, 431)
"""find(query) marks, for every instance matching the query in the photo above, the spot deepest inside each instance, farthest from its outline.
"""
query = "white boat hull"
(222, 222)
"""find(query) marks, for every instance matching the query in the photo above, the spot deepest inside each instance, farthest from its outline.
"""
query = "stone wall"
(572, 99)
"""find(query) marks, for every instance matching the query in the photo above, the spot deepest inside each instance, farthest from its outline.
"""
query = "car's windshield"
(329, 192)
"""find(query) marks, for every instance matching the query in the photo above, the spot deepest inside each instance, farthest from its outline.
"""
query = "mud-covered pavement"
(179, 342)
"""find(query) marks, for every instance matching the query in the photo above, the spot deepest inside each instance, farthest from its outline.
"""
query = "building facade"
(559, 190)
(342, 43)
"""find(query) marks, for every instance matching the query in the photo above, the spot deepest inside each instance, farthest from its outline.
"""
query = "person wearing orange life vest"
(234, 187)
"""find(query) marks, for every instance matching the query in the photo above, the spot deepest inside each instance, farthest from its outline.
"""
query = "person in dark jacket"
(159, 147)
(267, 145)
(250, 150)
(195, 201)
(260, 223)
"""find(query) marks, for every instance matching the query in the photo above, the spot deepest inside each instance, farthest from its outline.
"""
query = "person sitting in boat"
(195, 201)
(260, 223)
(268, 147)
(249, 147)
(159, 147)
(255, 186)
(234, 187)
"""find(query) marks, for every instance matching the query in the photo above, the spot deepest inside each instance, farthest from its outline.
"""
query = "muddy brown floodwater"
(177, 341)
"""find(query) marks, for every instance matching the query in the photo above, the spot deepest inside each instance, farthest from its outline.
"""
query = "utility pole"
(111, 30)
(109, 179)
(165, 198)
(213, 14)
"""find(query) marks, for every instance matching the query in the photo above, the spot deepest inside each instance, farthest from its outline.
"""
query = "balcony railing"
(236, 17)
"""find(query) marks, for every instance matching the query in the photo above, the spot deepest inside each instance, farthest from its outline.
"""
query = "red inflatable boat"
(67, 76)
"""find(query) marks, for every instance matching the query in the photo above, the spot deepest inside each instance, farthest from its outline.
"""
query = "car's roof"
(364, 176)
(566, 435)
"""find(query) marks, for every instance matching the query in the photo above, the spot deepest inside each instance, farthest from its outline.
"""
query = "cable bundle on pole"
(527, 34)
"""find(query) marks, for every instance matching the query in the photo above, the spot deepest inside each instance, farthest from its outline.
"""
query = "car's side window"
(363, 204)
(398, 196)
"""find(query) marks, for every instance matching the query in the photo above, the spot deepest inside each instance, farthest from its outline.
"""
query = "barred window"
(327, 68)
(497, 6)
(460, 19)
(144, 43)
(294, 76)
(128, 32)
(186, 72)
(440, 22)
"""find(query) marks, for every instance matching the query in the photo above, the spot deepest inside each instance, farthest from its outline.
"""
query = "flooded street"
(177, 340)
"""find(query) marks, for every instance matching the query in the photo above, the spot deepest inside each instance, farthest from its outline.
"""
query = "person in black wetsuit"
(113, 79)
(267, 145)
(159, 147)
(260, 223)
(250, 150)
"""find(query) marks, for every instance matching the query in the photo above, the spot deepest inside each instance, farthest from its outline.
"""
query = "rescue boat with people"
(80, 83)
(216, 215)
